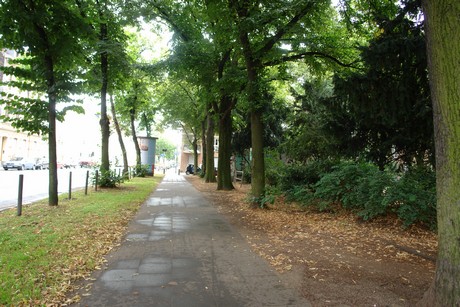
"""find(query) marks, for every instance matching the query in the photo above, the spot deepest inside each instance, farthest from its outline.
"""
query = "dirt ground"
(333, 259)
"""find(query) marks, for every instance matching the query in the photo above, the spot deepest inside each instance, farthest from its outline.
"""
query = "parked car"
(17, 163)
(45, 164)
(30, 164)
(41, 163)
(87, 164)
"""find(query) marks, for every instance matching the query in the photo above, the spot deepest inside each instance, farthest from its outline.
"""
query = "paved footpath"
(179, 251)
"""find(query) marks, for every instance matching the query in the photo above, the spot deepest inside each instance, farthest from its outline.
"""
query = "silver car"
(17, 163)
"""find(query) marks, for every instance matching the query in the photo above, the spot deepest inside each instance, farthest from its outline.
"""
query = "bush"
(370, 193)
(413, 197)
(141, 170)
(273, 167)
(107, 179)
(364, 189)
(298, 175)
(247, 176)
(356, 186)
(359, 187)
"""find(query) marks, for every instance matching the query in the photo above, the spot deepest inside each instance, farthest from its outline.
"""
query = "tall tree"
(107, 28)
(389, 118)
(50, 34)
(120, 137)
(135, 98)
(443, 47)
(104, 121)
(262, 27)
(180, 104)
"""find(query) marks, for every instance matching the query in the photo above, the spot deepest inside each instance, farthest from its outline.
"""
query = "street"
(36, 184)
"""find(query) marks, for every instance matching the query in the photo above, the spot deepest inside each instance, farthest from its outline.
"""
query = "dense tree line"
(311, 82)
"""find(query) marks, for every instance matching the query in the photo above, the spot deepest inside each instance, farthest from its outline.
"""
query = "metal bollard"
(86, 183)
(70, 185)
(20, 190)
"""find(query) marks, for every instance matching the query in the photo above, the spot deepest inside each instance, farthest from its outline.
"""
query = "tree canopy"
(310, 82)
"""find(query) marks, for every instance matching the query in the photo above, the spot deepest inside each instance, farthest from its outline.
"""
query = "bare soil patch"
(333, 259)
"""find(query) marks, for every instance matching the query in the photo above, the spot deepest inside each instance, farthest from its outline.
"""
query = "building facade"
(187, 155)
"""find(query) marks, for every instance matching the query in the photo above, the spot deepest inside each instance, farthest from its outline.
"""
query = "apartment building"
(187, 155)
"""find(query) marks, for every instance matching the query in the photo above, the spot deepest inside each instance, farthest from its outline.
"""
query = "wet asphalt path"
(179, 251)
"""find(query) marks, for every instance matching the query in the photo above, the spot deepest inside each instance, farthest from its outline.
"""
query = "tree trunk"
(224, 175)
(195, 153)
(132, 119)
(209, 176)
(53, 198)
(443, 49)
(258, 162)
(257, 132)
(253, 66)
(104, 121)
(203, 146)
(120, 138)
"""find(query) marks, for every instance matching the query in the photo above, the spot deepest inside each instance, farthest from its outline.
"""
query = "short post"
(86, 183)
(21, 184)
(70, 185)
(97, 180)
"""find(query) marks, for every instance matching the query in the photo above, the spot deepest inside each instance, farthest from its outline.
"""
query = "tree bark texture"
(132, 118)
(203, 146)
(224, 176)
(53, 198)
(104, 121)
(195, 153)
(443, 49)
(209, 176)
(120, 137)
(253, 66)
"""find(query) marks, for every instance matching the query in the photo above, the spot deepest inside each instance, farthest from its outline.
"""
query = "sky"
(79, 135)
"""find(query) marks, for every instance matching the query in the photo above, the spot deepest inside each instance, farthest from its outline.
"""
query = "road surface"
(36, 184)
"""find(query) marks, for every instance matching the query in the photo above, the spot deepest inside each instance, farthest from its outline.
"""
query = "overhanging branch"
(303, 55)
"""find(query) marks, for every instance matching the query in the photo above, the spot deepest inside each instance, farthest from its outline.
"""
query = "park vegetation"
(332, 104)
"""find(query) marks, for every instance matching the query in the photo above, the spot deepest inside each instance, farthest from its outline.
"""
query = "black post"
(97, 180)
(70, 185)
(21, 184)
(86, 183)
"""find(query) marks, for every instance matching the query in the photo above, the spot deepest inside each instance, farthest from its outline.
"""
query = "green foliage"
(141, 170)
(107, 179)
(48, 39)
(413, 197)
(364, 189)
(298, 174)
(273, 165)
(356, 186)
(162, 144)
(384, 110)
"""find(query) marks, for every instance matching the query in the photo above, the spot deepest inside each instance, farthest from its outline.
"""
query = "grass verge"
(48, 248)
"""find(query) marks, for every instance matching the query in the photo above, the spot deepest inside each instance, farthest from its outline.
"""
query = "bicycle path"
(179, 251)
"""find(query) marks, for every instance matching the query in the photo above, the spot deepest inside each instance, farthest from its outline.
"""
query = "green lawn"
(46, 249)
